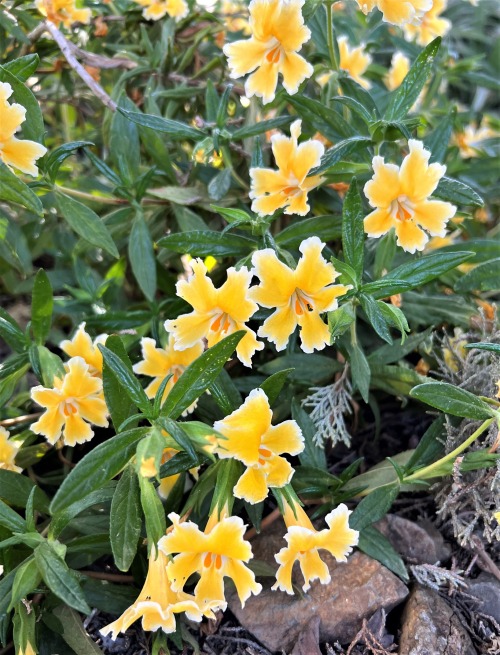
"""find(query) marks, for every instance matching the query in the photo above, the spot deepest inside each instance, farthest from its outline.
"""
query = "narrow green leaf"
(176, 431)
(125, 519)
(23, 67)
(62, 518)
(127, 380)
(11, 332)
(484, 277)
(353, 234)
(457, 193)
(341, 150)
(97, 467)
(274, 384)
(225, 393)
(41, 307)
(120, 408)
(175, 129)
(154, 513)
(259, 128)
(12, 189)
(141, 255)
(437, 141)
(493, 347)
(375, 545)
(57, 156)
(59, 578)
(452, 400)
(373, 507)
(12, 365)
(312, 455)
(200, 243)
(327, 228)
(405, 96)
(74, 633)
(199, 375)
(375, 317)
(15, 489)
(430, 447)
(26, 580)
(341, 320)
(360, 370)
(86, 223)
(10, 519)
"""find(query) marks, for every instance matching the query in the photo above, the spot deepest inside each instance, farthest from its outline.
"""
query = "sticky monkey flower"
(75, 402)
(469, 141)
(299, 296)
(355, 61)
(400, 197)
(81, 345)
(251, 439)
(63, 11)
(216, 312)
(400, 65)
(157, 603)
(278, 33)
(8, 452)
(304, 542)
(220, 551)
(156, 9)
(397, 12)
(17, 153)
(288, 186)
(160, 362)
(430, 26)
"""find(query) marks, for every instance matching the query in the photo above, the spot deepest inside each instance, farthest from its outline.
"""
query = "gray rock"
(417, 543)
(486, 588)
(431, 627)
(356, 591)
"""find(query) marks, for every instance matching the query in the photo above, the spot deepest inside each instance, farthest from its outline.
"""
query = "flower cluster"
(430, 26)
(397, 12)
(156, 9)
(20, 154)
(63, 11)
(8, 452)
(299, 297)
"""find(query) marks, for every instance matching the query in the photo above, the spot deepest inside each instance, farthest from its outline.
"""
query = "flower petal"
(433, 215)
(279, 471)
(233, 297)
(244, 56)
(76, 430)
(308, 156)
(284, 438)
(198, 290)
(277, 281)
(93, 410)
(278, 327)
(314, 333)
(244, 580)
(410, 236)
(252, 486)
(189, 328)
(262, 83)
(22, 154)
(295, 69)
(313, 272)
(379, 222)
(418, 179)
(384, 186)
(49, 424)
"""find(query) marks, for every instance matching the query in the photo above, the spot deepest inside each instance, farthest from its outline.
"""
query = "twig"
(19, 419)
(110, 577)
(99, 61)
(66, 50)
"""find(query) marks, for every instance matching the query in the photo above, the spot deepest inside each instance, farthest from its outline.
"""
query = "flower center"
(213, 559)
(301, 302)
(273, 53)
(402, 209)
(68, 407)
(222, 323)
(176, 371)
(264, 455)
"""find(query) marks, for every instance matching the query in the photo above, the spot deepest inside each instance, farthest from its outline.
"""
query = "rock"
(417, 543)
(486, 588)
(356, 591)
(431, 627)
(308, 640)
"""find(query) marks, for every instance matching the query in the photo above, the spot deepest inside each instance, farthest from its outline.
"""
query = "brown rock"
(356, 591)
(431, 627)
(417, 543)
(308, 640)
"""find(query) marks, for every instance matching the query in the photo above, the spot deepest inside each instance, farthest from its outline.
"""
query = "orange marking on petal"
(208, 560)
(218, 562)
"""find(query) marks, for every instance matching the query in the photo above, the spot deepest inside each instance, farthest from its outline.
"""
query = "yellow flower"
(234, 14)
(251, 439)
(216, 312)
(469, 141)
(8, 452)
(304, 542)
(81, 345)
(74, 403)
(355, 61)
(157, 603)
(289, 185)
(430, 26)
(63, 11)
(400, 198)
(497, 516)
(27, 650)
(397, 12)
(455, 353)
(400, 65)
(220, 551)
(156, 9)
(299, 295)
(160, 362)
(278, 33)
(21, 154)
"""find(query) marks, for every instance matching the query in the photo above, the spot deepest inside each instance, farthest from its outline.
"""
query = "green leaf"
(41, 307)
(341, 320)
(101, 464)
(493, 347)
(199, 375)
(33, 127)
(220, 184)
(175, 129)
(373, 507)
(63, 518)
(325, 120)
(26, 580)
(57, 156)
(11, 333)
(200, 243)
(375, 545)
(50, 365)
(341, 150)
(12, 365)
(485, 277)
(86, 223)
(360, 370)
(225, 393)
(153, 512)
(59, 578)
(353, 234)
(452, 400)
(312, 455)
(176, 431)
(376, 317)
(327, 228)
(405, 96)
(127, 380)
(430, 447)
(74, 633)
(23, 67)
(15, 489)
(307, 369)
(10, 519)
(483, 249)
(120, 408)
(393, 353)
(141, 255)
(125, 519)
(12, 189)
(274, 384)
(259, 128)
(457, 193)
(437, 141)
(396, 380)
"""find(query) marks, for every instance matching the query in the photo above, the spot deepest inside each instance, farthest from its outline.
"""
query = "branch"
(66, 50)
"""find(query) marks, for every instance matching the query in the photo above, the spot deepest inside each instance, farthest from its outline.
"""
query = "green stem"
(88, 196)
(330, 33)
(424, 473)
